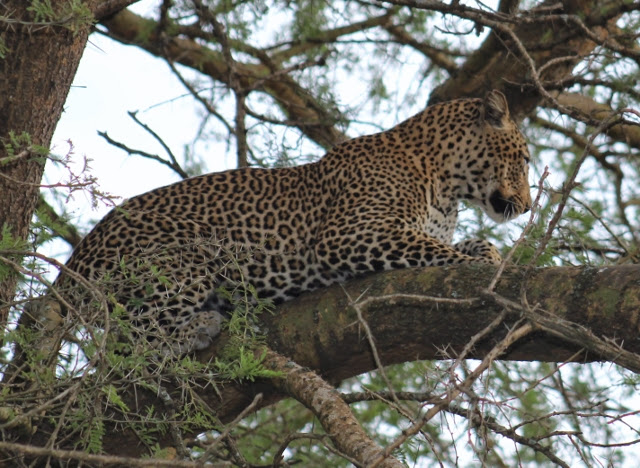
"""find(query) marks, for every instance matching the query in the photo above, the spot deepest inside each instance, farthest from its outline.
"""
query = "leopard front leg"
(376, 247)
(480, 248)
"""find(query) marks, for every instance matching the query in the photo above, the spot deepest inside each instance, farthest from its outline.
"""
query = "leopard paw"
(480, 249)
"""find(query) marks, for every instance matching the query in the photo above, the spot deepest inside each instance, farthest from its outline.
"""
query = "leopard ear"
(496, 109)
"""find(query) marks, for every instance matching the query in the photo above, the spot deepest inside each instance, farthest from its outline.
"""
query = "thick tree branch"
(630, 134)
(523, 49)
(419, 312)
(430, 313)
(109, 7)
(333, 413)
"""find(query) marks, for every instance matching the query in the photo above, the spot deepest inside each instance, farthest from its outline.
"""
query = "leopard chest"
(440, 223)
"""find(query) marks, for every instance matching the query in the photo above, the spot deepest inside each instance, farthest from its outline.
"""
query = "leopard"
(175, 258)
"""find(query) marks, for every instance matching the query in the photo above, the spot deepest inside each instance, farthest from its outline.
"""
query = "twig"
(105, 460)
(196, 95)
(176, 433)
(574, 333)
(175, 167)
(514, 335)
(322, 438)
(227, 430)
(523, 234)
(569, 185)
(357, 306)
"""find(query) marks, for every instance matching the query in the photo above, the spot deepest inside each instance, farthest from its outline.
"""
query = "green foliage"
(4, 50)
(243, 364)
(526, 252)
(112, 395)
(15, 144)
(309, 18)
(42, 10)
(74, 15)
(96, 433)
(239, 359)
(9, 243)
(45, 228)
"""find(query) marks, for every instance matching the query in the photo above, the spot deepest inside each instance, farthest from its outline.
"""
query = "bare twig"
(514, 335)
(84, 457)
(523, 235)
(227, 430)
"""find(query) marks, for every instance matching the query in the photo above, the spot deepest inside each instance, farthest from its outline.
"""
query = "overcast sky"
(112, 79)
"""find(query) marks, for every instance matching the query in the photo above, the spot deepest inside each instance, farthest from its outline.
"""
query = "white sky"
(113, 79)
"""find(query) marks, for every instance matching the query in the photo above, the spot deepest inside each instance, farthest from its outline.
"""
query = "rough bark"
(333, 413)
(630, 134)
(581, 313)
(448, 306)
(35, 78)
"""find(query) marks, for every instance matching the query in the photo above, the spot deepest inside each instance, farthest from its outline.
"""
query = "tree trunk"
(41, 59)
(35, 78)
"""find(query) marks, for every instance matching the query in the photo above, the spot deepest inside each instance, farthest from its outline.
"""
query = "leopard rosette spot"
(175, 257)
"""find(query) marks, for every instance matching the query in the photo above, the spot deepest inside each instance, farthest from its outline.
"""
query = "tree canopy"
(533, 363)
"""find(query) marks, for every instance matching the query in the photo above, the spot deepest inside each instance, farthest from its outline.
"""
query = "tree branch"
(416, 314)
(333, 413)
(413, 313)
(298, 105)
(107, 8)
(630, 134)
(521, 47)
